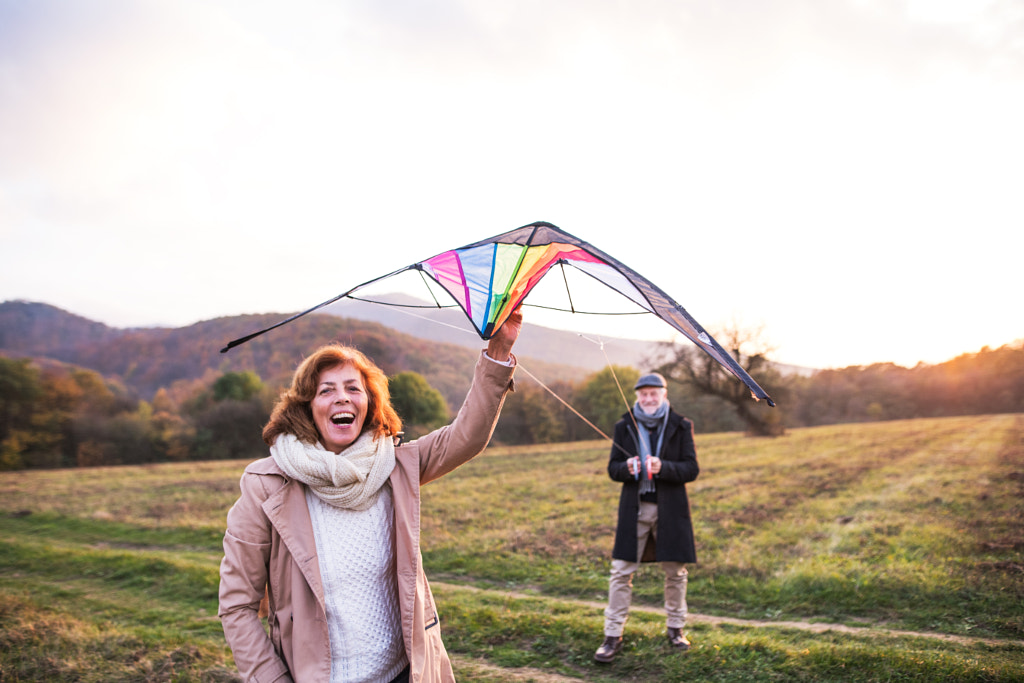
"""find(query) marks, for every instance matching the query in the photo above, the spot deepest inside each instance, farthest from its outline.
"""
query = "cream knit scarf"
(351, 480)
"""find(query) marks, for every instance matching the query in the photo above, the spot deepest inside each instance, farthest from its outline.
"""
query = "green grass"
(546, 634)
(111, 574)
(77, 607)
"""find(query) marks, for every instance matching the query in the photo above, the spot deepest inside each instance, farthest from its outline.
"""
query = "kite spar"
(489, 278)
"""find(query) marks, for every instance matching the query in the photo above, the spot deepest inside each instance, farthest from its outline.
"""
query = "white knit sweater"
(356, 551)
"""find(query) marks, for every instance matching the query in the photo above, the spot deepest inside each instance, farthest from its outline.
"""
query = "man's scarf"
(649, 425)
(350, 480)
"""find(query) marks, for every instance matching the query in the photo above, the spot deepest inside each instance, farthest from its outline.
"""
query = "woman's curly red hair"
(293, 415)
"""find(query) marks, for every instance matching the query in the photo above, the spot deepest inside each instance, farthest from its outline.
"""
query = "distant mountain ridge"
(435, 342)
(48, 331)
(421, 319)
(146, 359)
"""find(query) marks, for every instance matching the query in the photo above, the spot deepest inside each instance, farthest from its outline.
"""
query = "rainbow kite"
(488, 279)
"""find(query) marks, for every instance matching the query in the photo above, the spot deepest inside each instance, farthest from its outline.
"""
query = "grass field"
(874, 552)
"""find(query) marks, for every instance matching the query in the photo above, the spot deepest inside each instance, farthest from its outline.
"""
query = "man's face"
(651, 398)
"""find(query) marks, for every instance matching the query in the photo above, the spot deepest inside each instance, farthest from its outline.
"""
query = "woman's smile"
(339, 407)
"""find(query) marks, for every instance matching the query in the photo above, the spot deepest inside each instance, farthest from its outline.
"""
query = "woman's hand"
(499, 347)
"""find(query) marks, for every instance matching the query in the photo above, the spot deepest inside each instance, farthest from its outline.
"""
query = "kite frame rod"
(241, 340)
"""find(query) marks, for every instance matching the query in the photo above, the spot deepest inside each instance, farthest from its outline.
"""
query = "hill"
(146, 359)
(448, 325)
(42, 330)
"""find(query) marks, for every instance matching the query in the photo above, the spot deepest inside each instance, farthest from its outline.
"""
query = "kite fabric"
(489, 278)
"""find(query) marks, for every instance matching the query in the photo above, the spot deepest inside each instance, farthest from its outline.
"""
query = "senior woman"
(326, 531)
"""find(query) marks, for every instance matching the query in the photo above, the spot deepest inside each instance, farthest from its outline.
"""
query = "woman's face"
(339, 407)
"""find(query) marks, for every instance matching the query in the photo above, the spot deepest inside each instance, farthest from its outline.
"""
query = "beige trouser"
(620, 584)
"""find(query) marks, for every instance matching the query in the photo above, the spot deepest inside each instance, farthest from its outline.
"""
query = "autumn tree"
(20, 392)
(123, 438)
(170, 430)
(530, 415)
(229, 417)
(606, 395)
(237, 386)
(47, 416)
(693, 368)
(107, 425)
(421, 407)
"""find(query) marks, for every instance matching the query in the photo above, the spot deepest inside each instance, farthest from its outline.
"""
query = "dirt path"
(813, 627)
(485, 672)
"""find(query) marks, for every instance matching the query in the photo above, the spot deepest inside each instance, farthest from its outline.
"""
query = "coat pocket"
(432, 623)
(275, 631)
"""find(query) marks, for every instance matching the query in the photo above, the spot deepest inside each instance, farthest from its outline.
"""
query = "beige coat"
(269, 542)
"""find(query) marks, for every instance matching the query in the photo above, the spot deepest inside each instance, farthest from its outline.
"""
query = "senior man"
(653, 456)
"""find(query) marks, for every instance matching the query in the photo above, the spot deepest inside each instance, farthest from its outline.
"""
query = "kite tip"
(770, 402)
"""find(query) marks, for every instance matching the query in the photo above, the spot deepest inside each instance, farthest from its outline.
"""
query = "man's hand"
(633, 464)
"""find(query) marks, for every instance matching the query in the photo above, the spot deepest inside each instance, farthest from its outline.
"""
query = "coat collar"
(674, 421)
(288, 512)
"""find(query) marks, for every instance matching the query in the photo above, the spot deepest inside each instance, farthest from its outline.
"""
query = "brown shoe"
(609, 648)
(677, 639)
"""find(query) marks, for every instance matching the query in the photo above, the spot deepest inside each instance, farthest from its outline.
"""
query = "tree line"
(59, 415)
(987, 382)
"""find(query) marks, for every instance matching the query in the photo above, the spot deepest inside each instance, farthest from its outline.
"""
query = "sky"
(844, 175)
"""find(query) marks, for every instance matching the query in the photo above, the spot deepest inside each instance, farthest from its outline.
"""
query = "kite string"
(544, 386)
(529, 374)
(618, 385)
(625, 401)
(577, 413)
(611, 369)
(398, 309)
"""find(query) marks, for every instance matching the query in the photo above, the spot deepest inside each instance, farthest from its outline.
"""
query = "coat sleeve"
(622, 450)
(243, 583)
(680, 467)
(446, 448)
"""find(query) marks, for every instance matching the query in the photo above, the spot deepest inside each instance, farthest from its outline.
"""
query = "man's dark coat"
(679, 466)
